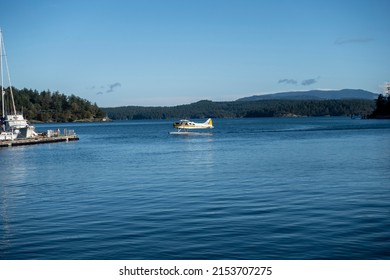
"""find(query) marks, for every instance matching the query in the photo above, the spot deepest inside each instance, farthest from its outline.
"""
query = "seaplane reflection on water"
(184, 125)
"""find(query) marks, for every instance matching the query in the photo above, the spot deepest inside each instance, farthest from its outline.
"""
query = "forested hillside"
(49, 106)
(245, 109)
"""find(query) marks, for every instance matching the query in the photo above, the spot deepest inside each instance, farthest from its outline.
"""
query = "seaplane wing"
(186, 124)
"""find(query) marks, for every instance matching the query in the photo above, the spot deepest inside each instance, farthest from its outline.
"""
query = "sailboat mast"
(8, 75)
(1, 70)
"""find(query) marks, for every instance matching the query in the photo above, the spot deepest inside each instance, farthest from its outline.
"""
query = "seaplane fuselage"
(186, 124)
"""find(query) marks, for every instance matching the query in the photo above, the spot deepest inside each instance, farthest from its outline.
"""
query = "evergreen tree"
(382, 107)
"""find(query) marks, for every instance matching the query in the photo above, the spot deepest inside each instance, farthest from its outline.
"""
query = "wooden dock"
(38, 140)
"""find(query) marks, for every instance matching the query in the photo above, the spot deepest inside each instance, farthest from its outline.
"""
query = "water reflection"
(199, 152)
(5, 228)
(14, 166)
(14, 175)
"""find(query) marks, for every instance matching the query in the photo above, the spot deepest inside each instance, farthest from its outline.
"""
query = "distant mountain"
(315, 95)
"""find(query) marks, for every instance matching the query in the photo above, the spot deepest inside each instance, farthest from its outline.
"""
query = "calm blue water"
(277, 188)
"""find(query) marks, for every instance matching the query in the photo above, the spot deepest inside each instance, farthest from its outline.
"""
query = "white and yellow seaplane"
(184, 125)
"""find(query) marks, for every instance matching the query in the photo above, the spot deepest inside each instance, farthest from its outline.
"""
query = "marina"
(14, 128)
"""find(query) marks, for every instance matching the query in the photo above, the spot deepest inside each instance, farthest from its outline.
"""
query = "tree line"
(246, 109)
(382, 110)
(47, 106)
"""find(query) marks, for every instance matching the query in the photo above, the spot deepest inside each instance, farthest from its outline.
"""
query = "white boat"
(12, 124)
(184, 125)
(387, 88)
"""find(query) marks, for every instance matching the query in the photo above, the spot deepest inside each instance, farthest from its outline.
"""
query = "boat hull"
(8, 136)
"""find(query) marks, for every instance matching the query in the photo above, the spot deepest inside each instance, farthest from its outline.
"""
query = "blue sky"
(171, 52)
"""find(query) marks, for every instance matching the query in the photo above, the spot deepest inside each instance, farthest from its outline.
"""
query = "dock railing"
(57, 132)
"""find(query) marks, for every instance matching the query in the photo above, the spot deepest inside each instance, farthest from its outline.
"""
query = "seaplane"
(184, 125)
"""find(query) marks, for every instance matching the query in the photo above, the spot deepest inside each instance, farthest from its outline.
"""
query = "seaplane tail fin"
(209, 123)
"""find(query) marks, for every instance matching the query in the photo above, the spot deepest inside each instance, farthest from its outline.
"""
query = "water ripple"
(257, 189)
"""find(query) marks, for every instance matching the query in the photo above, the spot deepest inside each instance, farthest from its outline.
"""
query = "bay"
(273, 188)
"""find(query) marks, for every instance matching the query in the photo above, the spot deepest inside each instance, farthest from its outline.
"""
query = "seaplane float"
(183, 127)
